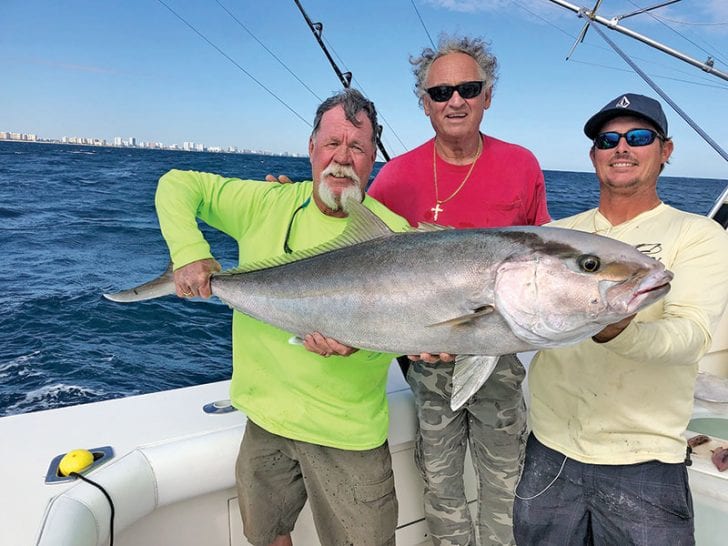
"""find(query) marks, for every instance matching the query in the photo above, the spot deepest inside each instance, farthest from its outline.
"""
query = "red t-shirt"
(506, 187)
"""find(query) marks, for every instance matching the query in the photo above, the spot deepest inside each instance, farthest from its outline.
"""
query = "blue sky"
(132, 68)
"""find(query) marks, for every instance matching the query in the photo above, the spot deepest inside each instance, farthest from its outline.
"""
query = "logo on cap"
(623, 102)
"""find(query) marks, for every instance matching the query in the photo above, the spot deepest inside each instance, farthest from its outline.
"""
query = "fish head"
(567, 285)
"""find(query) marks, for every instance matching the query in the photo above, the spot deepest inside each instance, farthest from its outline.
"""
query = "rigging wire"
(641, 9)
(422, 22)
(692, 23)
(246, 29)
(663, 22)
(704, 80)
(381, 116)
(660, 92)
(688, 23)
(543, 19)
(662, 77)
(221, 52)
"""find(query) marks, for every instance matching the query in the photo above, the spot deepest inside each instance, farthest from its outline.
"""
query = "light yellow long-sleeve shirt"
(629, 400)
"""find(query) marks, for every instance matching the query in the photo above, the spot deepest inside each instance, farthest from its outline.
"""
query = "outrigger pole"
(719, 210)
(344, 77)
(613, 24)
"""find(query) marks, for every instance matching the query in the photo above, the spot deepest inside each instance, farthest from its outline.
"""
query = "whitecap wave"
(56, 395)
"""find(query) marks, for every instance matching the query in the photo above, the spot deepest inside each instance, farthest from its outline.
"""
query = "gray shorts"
(351, 492)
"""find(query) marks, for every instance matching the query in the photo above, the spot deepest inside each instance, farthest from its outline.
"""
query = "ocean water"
(79, 221)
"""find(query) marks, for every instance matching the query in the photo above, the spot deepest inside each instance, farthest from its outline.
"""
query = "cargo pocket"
(376, 507)
(366, 493)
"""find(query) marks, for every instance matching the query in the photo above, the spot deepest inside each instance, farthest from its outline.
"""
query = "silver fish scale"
(386, 294)
(480, 292)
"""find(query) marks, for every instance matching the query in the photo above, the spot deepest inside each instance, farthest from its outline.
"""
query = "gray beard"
(334, 202)
(353, 191)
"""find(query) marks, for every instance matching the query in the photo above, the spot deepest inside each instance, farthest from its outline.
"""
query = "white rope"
(563, 463)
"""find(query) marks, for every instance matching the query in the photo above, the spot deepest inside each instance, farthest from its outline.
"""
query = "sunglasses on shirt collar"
(467, 90)
(633, 137)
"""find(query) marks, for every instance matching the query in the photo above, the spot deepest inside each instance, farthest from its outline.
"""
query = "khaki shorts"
(351, 492)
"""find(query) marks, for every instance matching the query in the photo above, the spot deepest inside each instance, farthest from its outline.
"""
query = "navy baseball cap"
(628, 105)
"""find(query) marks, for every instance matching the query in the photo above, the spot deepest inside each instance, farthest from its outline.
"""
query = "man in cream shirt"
(605, 463)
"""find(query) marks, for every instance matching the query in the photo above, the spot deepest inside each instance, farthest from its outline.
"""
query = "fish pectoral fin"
(161, 286)
(464, 319)
(470, 373)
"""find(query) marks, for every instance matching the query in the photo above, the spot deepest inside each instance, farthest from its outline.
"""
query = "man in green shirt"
(317, 426)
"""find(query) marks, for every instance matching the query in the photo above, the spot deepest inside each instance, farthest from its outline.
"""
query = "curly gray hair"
(477, 48)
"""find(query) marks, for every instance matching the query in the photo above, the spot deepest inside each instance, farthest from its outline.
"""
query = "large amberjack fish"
(476, 293)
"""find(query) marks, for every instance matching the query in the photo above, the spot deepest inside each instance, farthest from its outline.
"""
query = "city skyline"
(131, 142)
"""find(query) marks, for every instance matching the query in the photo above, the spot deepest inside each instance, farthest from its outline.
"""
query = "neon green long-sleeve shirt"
(338, 401)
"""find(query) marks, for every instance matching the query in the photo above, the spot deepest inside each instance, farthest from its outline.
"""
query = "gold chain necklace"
(437, 209)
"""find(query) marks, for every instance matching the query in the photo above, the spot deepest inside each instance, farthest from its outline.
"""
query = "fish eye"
(589, 263)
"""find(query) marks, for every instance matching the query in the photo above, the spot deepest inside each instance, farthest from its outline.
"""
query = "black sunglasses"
(633, 137)
(467, 90)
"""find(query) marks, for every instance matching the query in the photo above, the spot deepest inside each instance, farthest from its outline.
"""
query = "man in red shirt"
(463, 179)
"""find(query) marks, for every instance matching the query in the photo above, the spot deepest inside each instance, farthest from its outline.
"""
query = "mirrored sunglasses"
(633, 137)
(467, 90)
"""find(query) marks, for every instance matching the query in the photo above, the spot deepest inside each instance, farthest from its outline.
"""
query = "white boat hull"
(171, 478)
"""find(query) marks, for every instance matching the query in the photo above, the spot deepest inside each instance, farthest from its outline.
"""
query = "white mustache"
(340, 171)
(351, 191)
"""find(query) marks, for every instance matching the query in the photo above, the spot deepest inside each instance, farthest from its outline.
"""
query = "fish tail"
(161, 286)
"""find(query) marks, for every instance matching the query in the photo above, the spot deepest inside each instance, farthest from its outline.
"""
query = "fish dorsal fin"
(363, 226)
(464, 319)
(425, 226)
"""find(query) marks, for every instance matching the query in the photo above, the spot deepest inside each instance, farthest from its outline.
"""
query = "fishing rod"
(344, 77)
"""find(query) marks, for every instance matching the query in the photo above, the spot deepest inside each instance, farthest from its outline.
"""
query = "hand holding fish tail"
(193, 279)
(432, 359)
(326, 346)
